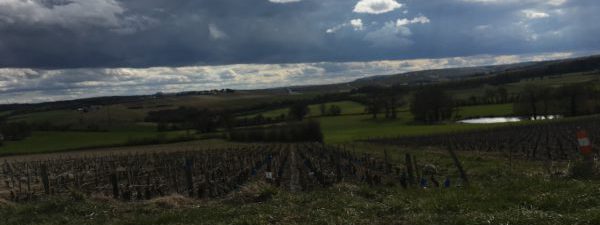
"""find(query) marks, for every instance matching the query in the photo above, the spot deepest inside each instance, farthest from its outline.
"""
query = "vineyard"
(538, 141)
(194, 172)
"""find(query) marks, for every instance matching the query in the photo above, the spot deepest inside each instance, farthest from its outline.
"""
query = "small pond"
(506, 119)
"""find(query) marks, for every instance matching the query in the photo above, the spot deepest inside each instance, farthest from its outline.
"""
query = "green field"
(337, 129)
(348, 107)
(106, 117)
(360, 127)
(53, 141)
(517, 87)
(559, 80)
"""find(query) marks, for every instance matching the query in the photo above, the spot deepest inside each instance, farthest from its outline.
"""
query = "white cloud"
(376, 6)
(284, 1)
(391, 34)
(357, 24)
(402, 22)
(336, 28)
(405, 21)
(534, 14)
(420, 19)
(395, 34)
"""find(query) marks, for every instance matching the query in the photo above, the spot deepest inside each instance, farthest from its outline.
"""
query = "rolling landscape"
(299, 112)
(110, 152)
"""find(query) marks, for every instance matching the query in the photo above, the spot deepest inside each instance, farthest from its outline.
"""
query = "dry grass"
(5, 203)
(258, 191)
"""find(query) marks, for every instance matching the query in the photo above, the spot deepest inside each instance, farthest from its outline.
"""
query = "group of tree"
(428, 104)
(14, 131)
(275, 104)
(298, 111)
(490, 95)
(332, 110)
(432, 104)
(259, 119)
(188, 118)
(566, 100)
(383, 100)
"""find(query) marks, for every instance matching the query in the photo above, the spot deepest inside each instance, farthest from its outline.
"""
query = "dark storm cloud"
(63, 49)
(112, 33)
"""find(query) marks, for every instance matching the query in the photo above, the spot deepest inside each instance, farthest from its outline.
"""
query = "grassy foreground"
(524, 194)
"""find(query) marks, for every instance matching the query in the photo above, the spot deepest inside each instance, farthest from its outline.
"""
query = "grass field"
(342, 129)
(338, 129)
(559, 80)
(53, 141)
(499, 194)
(118, 115)
(549, 81)
(348, 107)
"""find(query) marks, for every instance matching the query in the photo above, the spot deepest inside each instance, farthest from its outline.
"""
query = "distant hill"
(581, 64)
(438, 75)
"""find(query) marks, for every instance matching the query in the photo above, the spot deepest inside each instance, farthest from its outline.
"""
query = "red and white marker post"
(585, 146)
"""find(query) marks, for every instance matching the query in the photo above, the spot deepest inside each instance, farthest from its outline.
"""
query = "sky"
(65, 49)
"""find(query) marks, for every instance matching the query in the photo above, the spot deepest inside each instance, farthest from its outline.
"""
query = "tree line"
(189, 118)
(14, 131)
(429, 104)
(566, 100)
(381, 100)
(206, 121)
(296, 112)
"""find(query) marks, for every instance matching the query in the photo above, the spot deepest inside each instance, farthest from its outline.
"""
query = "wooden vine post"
(463, 174)
(115, 184)
(409, 169)
(45, 181)
(188, 176)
